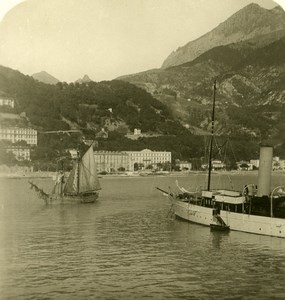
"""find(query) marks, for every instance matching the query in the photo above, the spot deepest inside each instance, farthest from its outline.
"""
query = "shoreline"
(27, 175)
(43, 175)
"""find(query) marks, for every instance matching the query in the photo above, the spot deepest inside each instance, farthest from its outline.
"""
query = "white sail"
(88, 179)
(71, 184)
(83, 177)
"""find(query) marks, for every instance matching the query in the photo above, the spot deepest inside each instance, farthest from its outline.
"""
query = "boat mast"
(78, 157)
(212, 138)
(61, 178)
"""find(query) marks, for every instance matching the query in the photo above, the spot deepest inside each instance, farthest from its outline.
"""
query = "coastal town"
(20, 141)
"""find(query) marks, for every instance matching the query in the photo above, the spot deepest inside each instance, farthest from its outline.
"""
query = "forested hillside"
(116, 106)
(119, 107)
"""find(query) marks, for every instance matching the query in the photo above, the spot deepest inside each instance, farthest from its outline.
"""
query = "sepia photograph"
(142, 149)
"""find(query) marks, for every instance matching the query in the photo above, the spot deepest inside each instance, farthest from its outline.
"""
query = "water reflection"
(218, 237)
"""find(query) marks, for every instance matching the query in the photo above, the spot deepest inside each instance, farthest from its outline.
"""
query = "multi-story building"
(15, 134)
(20, 153)
(147, 157)
(6, 102)
(112, 161)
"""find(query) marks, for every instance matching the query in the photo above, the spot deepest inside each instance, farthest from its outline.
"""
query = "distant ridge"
(251, 22)
(84, 79)
(45, 77)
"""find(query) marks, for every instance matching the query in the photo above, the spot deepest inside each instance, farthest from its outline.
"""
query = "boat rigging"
(253, 210)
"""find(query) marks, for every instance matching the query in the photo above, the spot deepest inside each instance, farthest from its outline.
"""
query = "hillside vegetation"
(250, 93)
(116, 106)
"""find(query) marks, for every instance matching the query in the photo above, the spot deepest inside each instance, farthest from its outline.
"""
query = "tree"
(7, 158)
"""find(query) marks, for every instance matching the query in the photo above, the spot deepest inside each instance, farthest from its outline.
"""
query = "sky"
(104, 38)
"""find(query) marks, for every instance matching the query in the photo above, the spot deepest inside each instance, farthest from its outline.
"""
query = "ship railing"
(279, 189)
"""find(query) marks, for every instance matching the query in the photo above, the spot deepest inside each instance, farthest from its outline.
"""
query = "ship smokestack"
(264, 173)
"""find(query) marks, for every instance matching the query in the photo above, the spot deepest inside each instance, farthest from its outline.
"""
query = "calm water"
(128, 246)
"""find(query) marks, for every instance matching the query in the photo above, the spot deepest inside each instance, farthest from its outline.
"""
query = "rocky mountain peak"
(250, 22)
(45, 77)
(84, 79)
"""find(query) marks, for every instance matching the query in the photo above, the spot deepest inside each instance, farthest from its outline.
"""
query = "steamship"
(255, 209)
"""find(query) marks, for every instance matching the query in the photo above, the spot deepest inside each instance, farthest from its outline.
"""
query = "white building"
(137, 131)
(184, 165)
(113, 161)
(20, 153)
(147, 157)
(278, 164)
(6, 102)
(254, 162)
(216, 165)
(15, 134)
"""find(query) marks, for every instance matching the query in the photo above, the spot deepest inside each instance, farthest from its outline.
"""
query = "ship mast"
(212, 138)
(78, 172)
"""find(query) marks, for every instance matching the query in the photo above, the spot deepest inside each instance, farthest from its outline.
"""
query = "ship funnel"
(264, 173)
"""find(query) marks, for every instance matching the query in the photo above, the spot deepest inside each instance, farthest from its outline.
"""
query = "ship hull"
(236, 221)
(88, 198)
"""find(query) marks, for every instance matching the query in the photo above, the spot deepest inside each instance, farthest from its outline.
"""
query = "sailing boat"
(82, 184)
(254, 210)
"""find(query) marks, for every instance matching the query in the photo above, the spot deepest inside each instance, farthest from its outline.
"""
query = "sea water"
(128, 245)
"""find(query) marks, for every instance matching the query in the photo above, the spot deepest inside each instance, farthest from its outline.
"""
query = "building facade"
(114, 161)
(184, 165)
(7, 102)
(16, 134)
(147, 157)
(20, 153)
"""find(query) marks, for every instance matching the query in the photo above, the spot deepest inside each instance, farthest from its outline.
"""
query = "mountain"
(250, 93)
(45, 77)
(84, 79)
(51, 107)
(86, 107)
(252, 23)
(249, 68)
